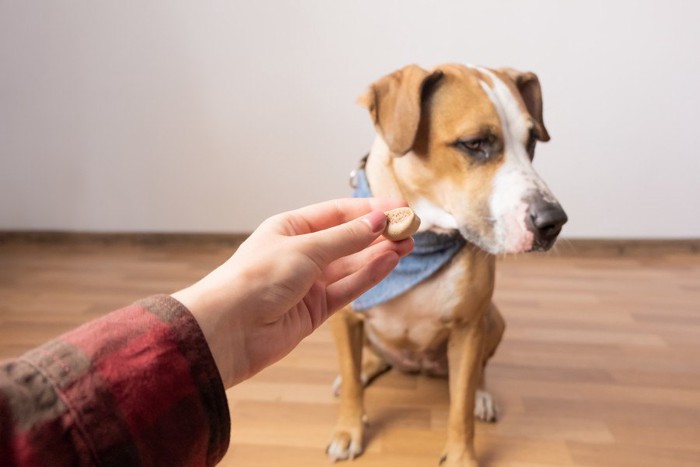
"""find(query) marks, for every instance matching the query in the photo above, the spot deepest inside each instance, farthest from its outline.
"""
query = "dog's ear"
(394, 102)
(529, 87)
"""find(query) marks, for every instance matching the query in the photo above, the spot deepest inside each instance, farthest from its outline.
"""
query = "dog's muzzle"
(545, 220)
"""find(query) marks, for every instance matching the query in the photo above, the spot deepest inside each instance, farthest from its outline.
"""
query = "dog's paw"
(344, 445)
(485, 407)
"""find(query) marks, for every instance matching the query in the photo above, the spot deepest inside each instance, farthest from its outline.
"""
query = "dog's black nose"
(546, 221)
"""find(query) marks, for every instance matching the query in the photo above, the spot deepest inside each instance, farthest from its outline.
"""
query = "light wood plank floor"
(600, 365)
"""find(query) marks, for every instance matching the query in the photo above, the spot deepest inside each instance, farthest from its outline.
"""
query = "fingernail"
(376, 221)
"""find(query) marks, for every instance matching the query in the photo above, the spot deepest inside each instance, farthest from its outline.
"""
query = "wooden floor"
(600, 365)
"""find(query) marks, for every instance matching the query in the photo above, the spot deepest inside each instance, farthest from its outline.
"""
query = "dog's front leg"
(465, 357)
(346, 441)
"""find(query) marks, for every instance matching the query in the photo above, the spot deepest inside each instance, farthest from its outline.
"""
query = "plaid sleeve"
(136, 387)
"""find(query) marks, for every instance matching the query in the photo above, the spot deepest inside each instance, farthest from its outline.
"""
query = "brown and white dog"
(457, 144)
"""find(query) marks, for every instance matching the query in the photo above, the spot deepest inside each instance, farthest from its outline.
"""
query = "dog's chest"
(411, 331)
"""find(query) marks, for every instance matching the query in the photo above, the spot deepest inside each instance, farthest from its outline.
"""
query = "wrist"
(210, 312)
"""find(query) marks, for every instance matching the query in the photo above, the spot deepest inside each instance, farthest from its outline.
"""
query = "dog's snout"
(546, 220)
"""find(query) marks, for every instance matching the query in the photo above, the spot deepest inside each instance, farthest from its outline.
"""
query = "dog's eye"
(478, 148)
(475, 145)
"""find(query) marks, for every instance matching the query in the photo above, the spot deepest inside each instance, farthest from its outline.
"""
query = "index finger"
(327, 214)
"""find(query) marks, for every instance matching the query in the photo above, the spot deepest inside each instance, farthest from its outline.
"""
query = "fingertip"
(405, 246)
(401, 247)
(376, 220)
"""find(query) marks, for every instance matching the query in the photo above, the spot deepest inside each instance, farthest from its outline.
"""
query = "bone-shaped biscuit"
(401, 224)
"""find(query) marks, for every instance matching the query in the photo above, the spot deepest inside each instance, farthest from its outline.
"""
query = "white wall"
(209, 116)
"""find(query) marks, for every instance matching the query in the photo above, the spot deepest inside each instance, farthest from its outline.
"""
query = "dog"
(457, 143)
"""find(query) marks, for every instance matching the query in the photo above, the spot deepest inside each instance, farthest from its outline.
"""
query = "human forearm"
(136, 387)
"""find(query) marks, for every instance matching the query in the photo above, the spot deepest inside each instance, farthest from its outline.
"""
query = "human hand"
(287, 278)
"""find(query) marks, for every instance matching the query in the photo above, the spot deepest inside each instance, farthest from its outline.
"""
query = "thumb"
(325, 246)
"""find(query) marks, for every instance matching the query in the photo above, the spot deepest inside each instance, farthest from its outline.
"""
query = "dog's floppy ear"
(529, 87)
(394, 102)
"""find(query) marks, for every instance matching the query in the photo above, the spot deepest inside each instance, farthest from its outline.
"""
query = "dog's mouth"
(542, 245)
(533, 226)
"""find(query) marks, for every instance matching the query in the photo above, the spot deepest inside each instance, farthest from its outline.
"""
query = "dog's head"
(461, 141)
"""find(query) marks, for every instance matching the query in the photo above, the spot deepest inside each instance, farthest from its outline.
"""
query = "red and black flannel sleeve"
(136, 387)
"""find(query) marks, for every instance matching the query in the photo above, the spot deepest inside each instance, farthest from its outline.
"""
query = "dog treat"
(401, 224)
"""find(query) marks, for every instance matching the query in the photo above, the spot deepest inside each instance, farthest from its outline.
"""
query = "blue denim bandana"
(431, 252)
